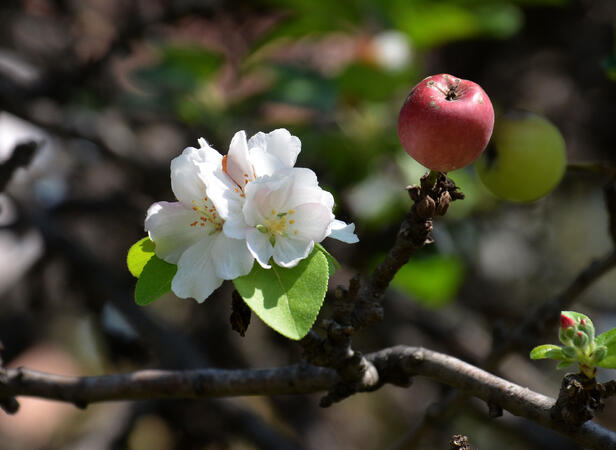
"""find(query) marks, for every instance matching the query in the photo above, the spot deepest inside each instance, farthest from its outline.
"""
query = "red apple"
(445, 122)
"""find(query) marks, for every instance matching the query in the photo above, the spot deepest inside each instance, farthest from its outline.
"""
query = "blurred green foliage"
(433, 280)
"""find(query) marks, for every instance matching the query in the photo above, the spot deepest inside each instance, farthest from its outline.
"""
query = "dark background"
(113, 90)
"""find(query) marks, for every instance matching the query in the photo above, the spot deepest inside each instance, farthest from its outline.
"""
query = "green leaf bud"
(569, 352)
(599, 354)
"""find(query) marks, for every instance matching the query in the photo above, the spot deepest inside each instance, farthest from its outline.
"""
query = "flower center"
(207, 215)
(278, 224)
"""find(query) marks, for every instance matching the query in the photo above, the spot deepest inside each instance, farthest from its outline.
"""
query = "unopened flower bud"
(570, 332)
(580, 339)
(566, 322)
(587, 328)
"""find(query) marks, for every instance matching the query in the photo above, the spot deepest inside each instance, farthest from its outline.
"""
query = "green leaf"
(288, 300)
(608, 338)
(609, 362)
(564, 364)
(155, 280)
(547, 351)
(138, 256)
(332, 263)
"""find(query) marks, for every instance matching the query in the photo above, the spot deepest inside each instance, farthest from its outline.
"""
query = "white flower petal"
(280, 190)
(310, 222)
(264, 163)
(231, 257)
(264, 195)
(259, 246)
(235, 227)
(343, 232)
(256, 196)
(303, 195)
(186, 181)
(259, 140)
(279, 143)
(168, 225)
(304, 178)
(196, 276)
(288, 252)
(237, 164)
(224, 194)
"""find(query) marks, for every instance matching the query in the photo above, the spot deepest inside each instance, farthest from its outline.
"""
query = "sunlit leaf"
(332, 262)
(547, 351)
(138, 256)
(288, 300)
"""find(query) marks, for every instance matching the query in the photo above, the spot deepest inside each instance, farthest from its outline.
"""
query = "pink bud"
(579, 333)
(566, 322)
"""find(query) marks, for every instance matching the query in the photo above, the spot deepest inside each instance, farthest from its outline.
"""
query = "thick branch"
(151, 384)
(391, 364)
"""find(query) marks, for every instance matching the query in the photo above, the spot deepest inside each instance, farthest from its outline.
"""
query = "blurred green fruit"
(525, 159)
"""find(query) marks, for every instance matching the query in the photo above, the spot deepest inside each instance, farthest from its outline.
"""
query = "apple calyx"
(452, 91)
(434, 195)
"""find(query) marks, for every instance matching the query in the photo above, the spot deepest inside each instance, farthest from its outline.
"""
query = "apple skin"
(445, 122)
(526, 158)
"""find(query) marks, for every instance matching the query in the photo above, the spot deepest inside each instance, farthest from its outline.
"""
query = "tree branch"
(391, 364)
(360, 305)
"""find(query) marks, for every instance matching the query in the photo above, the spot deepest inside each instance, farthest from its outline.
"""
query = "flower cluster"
(249, 204)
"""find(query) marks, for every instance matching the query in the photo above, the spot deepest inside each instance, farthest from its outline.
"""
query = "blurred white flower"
(189, 232)
(392, 50)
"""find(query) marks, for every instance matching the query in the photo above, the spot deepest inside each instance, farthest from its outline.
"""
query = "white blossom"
(247, 161)
(250, 204)
(286, 214)
(189, 232)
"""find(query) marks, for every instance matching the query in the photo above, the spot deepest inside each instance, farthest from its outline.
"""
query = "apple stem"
(432, 178)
